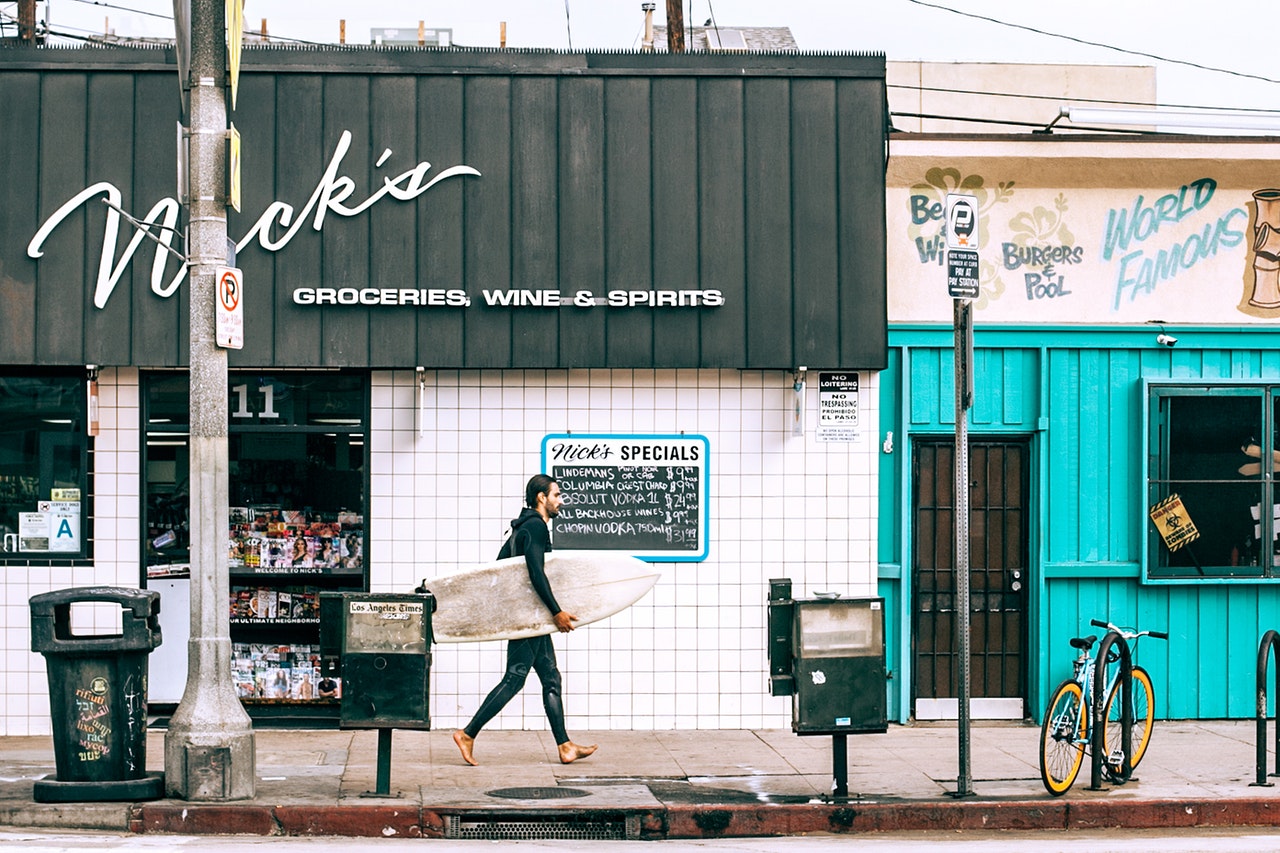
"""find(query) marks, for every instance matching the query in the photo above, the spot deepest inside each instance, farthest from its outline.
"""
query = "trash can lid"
(51, 620)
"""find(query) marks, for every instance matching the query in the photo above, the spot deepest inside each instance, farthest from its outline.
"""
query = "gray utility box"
(384, 644)
(828, 654)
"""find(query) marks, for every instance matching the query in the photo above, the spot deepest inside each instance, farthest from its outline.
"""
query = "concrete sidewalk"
(675, 784)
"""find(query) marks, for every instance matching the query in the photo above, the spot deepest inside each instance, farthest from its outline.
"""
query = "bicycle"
(1064, 734)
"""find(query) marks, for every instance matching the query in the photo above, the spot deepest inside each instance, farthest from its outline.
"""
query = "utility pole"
(675, 26)
(209, 747)
(27, 21)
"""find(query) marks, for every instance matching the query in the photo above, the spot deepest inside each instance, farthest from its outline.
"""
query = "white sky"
(1233, 35)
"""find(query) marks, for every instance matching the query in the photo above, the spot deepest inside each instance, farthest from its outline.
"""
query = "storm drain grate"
(560, 828)
(554, 792)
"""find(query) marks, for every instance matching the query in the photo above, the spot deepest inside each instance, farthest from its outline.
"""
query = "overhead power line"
(1077, 40)
(129, 9)
(1058, 99)
(1014, 123)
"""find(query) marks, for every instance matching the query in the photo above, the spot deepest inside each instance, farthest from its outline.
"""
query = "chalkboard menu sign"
(643, 494)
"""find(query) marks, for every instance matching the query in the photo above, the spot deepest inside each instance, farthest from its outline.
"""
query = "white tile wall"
(24, 706)
(446, 480)
(691, 654)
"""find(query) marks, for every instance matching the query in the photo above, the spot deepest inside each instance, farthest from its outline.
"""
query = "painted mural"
(1192, 252)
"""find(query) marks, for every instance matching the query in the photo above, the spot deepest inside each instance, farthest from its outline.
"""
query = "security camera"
(1166, 340)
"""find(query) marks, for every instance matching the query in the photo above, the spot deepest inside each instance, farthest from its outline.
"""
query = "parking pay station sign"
(962, 245)
(229, 307)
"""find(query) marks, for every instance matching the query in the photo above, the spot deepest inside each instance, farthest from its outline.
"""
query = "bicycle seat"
(1083, 643)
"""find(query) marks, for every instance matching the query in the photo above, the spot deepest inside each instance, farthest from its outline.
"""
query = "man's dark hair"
(539, 484)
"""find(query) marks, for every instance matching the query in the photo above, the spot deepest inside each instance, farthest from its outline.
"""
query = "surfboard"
(495, 601)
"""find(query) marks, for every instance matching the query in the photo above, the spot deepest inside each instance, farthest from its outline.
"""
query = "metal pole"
(384, 762)
(209, 747)
(840, 765)
(964, 780)
(1269, 640)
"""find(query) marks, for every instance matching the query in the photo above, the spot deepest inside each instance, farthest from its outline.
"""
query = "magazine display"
(272, 540)
(280, 672)
(276, 604)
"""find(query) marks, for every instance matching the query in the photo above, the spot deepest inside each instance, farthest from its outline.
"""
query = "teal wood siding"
(1093, 457)
(894, 638)
(1078, 392)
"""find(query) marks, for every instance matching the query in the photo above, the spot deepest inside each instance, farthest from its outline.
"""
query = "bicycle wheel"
(1144, 711)
(1063, 736)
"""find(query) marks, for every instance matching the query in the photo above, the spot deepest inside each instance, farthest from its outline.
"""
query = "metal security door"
(997, 586)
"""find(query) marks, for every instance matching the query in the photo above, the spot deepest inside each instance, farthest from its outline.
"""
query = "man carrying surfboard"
(530, 538)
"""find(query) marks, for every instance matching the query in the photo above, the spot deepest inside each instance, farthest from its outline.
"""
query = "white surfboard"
(495, 601)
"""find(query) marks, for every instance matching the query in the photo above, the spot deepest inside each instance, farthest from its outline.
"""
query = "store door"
(998, 579)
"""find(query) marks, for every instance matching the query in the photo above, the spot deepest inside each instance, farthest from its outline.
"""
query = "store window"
(1211, 471)
(44, 451)
(296, 453)
(295, 526)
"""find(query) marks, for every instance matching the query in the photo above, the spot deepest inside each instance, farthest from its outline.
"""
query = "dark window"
(1211, 471)
(43, 466)
(296, 454)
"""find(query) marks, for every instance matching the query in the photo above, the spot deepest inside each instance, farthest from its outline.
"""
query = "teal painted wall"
(1078, 394)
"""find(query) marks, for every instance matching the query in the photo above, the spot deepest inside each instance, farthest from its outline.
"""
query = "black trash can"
(98, 696)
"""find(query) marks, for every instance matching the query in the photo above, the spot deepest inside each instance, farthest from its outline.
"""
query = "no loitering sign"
(837, 407)
(229, 307)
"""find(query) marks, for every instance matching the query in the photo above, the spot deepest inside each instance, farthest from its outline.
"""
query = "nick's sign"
(332, 194)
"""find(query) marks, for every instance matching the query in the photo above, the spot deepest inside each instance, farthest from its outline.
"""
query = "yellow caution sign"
(233, 170)
(235, 39)
(1173, 523)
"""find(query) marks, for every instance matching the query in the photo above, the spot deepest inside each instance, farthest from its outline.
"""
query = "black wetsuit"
(530, 539)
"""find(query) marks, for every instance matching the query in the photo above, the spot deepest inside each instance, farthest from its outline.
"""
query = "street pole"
(963, 267)
(964, 399)
(209, 747)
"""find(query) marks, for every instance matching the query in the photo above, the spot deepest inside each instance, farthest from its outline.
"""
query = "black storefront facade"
(455, 265)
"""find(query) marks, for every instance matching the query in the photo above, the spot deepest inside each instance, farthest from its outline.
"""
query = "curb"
(109, 817)
(663, 822)
(854, 818)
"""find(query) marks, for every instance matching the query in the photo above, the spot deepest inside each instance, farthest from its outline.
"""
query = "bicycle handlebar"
(1129, 635)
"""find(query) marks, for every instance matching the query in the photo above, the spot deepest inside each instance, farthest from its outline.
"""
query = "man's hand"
(564, 621)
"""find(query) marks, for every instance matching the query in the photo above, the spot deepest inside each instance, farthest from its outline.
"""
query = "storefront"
(449, 258)
(1125, 357)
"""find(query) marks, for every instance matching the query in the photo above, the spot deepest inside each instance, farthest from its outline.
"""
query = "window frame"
(250, 424)
(1155, 471)
(83, 556)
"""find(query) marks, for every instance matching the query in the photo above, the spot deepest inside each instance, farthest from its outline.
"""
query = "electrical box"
(829, 654)
(385, 653)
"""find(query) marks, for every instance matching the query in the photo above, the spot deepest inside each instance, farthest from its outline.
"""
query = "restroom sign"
(229, 307)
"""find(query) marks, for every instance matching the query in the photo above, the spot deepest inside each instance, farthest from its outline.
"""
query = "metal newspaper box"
(386, 660)
(829, 655)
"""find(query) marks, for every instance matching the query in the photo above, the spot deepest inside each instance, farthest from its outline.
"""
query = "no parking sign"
(229, 307)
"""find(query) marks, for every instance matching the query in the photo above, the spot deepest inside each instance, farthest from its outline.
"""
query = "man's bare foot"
(465, 743)
(571, 752)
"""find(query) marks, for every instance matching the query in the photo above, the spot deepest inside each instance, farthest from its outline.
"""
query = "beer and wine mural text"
(1190, 252)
